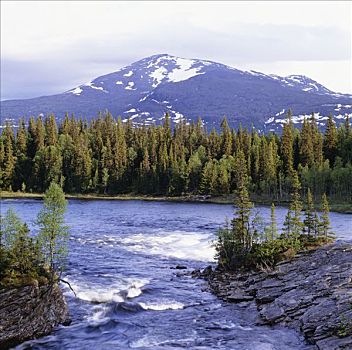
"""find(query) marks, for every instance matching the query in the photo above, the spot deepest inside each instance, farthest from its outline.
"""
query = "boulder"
(30, 312)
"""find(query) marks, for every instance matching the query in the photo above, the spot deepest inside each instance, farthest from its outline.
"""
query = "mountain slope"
(190, 88)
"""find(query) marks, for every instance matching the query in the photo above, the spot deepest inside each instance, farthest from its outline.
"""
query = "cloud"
(55, 46)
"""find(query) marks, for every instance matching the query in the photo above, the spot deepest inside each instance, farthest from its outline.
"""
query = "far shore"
(339, 207)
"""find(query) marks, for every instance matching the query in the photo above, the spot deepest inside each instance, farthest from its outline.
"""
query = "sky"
(49, 47)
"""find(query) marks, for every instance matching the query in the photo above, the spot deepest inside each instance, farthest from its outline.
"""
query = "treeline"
(111, 157)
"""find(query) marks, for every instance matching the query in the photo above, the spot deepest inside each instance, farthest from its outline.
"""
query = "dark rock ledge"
(30, 312)
(311, 293)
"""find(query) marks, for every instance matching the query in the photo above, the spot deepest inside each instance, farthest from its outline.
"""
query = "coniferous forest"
(108, 156)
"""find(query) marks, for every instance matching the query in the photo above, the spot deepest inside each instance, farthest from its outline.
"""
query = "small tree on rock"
(53, 234)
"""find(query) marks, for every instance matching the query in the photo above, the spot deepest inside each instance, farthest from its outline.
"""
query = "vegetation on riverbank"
(245, 243)
(28, 259)
(110, 157)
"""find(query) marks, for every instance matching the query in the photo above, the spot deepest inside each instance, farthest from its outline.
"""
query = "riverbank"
(311, 293)
(338, 207)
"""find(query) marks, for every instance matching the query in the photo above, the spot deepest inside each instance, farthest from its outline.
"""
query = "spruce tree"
(9, 159)
(316, 225)
(273, 223)
(309, 221)
(325, 228)
(241, 221)
(287, 145)
(226, 138)
(330, 140)
(288, 224)
(296, 206)
(306, 148)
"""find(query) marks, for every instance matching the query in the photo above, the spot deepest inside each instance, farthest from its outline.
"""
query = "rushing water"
(121, 265)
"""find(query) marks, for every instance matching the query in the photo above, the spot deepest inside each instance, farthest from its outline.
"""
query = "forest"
(108, 156)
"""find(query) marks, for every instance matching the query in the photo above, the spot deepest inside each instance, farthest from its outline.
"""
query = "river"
(122, 263)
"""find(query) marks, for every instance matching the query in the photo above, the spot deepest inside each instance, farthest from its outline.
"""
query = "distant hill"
(190, 88)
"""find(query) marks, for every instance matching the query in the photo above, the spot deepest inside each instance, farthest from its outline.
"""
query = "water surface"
(129, 295)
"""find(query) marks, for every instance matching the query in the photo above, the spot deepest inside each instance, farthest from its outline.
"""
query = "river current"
(122, 263)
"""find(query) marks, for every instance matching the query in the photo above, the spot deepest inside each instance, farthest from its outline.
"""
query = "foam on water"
(99, 315)
(153, 343)
(176, 244)
(127, 288)
(166, 305)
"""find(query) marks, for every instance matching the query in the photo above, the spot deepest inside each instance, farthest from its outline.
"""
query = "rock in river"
(30, 312)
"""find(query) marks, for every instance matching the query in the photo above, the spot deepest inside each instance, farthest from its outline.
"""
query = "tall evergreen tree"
(272, 231)
(325, 228)
(241, 221)
(309, 221)
(296, 206)
(330, 140)
(287, 145)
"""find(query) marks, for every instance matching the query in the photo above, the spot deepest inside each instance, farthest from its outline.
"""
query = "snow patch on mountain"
(280, 113)
(132, 110)
(174, 69)
(184, 70)
(129, 74)
(77, 91)
(91, 85)
(270, 120)
(298, 119)
(130, 86)
(158, 75)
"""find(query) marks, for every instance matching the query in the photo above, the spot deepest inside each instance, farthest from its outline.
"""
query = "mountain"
(190, 88)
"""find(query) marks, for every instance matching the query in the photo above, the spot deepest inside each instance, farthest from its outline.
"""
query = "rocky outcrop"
(30, 312)
(312, 293)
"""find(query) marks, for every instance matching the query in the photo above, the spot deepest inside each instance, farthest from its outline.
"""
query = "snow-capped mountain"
(190, 88)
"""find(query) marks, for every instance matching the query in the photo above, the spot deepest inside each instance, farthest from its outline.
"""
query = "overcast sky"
(49, 47)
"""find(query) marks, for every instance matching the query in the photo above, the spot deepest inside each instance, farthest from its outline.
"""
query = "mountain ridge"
(187, 89)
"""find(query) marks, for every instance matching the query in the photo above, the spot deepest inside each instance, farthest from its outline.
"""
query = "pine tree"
(287, 145)
(316, 225)
(194, 170)
(309, 221)
(306, 149)
(288, 224)
(39, 135)
(50, 131)
(32, 130)
(241, 221)
(325, 228)
(330, 140)
(226, 138)
(23, 164)
(9, 159)
(273, 232)
(296, 206)
(317, 141)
